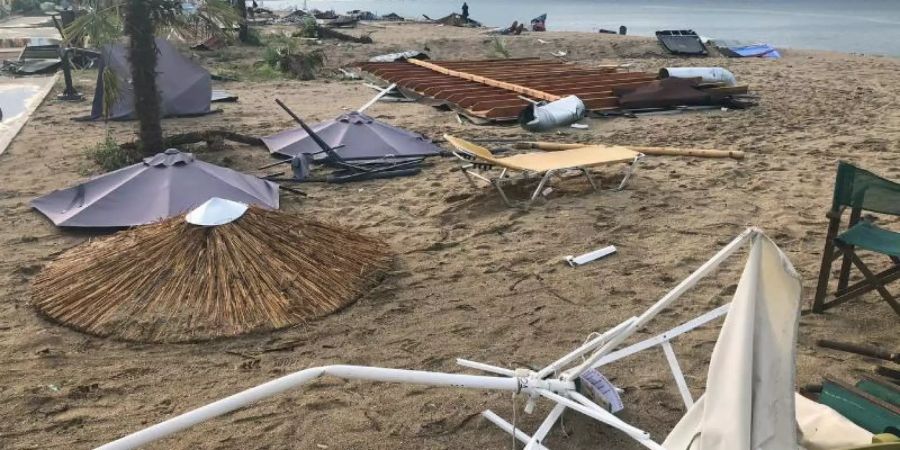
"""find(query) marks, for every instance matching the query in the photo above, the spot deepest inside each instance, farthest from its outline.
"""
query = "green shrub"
(109, 156)
(254, 38)
(498, 48)
(308, 28)
(286, 58)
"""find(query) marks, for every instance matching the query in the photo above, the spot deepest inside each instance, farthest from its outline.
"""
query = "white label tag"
(602, 387)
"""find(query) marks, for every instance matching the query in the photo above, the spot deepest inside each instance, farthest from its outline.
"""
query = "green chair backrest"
(858, 188)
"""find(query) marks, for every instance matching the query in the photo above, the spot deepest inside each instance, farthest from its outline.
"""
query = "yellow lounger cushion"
(593, 155)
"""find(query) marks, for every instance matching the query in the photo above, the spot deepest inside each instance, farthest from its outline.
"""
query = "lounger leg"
(540, 187)
(590, 179)
(629, 172)
(496, 182)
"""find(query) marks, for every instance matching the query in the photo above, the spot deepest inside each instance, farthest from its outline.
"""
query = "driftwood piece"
(864, 350)
(194, 137)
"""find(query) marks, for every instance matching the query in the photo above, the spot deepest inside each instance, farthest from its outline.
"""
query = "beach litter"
(365, 159)
(575, 261)
(497, 91)
(682, 42)
(757, 340)
(242, 269)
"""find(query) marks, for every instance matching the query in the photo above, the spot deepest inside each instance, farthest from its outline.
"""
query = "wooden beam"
(534, 93)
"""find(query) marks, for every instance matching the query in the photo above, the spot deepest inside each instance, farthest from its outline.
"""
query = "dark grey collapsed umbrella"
(185, 88)
(161, 186)
(362, 138)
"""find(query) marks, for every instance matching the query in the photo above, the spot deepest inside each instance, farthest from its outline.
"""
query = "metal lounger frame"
(472, 168)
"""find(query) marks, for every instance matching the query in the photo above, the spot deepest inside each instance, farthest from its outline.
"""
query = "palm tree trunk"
(142, 54)
(243, 31)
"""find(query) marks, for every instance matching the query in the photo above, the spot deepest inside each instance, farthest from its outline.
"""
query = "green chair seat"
(870, 237)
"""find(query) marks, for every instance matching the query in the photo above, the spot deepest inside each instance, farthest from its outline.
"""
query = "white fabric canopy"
(749, 399)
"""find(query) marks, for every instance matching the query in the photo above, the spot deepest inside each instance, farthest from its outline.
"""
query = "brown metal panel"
(593, 86)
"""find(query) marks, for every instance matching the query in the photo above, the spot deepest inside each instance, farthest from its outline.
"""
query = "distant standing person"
(465, 12)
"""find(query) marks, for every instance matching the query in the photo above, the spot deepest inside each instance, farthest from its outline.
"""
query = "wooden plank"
(534, 93)
(728, 90)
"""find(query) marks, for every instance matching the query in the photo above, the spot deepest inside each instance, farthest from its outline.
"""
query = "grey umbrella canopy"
(362, 138)
(161, 186)
(185, 88)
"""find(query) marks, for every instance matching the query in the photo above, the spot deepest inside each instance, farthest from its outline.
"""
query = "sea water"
(861, 26)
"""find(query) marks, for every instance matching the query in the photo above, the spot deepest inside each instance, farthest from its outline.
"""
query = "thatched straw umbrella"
(174, 282)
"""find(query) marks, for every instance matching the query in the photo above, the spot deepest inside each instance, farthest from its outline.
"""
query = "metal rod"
(302, 377)
(667, 300)
(377, 97)
(509, 428)
(678, 374)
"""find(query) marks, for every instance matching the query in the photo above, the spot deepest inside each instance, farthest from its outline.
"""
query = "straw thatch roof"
(176, 282)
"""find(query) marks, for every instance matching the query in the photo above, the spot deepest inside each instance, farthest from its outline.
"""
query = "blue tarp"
(737, 49)
(758, 50)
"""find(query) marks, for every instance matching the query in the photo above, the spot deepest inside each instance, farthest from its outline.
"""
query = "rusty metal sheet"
(491, 101)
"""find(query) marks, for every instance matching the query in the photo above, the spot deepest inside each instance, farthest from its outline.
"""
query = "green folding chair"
(861, 191)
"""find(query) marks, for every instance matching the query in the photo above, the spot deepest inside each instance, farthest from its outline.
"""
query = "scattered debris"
(738, 49)
(682, 42)
(539, 23)
(864, 350)
(545, 116)
(401, 56)
(706, 74)
(347, 170)
(455, 20)
(576, 261)
(355, 137)
(475, 89)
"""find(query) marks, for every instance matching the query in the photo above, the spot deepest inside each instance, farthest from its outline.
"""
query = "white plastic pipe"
(708, 74)
(509, 428)
(576, 261)
(557, 365)
(302, 377)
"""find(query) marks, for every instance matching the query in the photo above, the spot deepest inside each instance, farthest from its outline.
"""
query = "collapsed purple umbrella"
(361, 138)
(161, 186)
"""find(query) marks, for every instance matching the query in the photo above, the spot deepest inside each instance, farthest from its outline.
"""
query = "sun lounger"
(475, 161)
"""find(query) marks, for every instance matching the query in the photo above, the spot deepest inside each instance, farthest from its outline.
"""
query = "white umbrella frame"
(559, 389)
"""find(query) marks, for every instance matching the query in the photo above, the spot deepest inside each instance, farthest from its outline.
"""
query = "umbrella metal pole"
(252, 395)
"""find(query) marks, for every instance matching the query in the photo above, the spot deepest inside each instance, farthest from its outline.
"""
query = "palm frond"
(212, 18)
(100, 25)
(110, 90)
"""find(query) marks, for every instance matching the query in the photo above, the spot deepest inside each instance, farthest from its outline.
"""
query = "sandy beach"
(471, 278)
